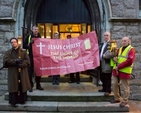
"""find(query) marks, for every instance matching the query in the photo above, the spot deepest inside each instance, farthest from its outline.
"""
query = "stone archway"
(31, 9)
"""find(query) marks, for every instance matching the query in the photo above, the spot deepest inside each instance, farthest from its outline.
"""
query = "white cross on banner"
(56, 56)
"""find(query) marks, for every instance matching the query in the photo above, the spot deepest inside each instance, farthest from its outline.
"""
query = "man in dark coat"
(56, 78)
(72, 79)
(106, 69)
(28, 46)
(17, 61)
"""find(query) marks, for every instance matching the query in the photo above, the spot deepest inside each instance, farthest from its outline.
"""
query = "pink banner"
(55, 56)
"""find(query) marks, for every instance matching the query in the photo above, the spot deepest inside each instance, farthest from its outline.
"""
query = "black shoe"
(14, 105)
(57, 83)
(71, 82)
(31, 90)
(22, 103)
(101, 90)
(115, 101)
(53, 83)
(39, 88)
(78, 82)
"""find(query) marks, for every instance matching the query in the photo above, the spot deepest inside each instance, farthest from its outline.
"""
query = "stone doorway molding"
(99, 12)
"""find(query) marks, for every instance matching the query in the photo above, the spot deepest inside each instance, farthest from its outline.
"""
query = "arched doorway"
(90, 20)
(73, 17)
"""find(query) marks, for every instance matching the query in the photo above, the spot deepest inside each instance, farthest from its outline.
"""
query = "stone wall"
(7, 30)
(124, 8)
(6, 6)
(8, 9)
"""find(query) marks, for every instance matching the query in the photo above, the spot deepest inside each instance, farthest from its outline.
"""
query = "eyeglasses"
(13, 42)
(106, 35)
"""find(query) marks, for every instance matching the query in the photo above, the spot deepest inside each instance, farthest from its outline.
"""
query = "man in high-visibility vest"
(28, 46)
(122, 70)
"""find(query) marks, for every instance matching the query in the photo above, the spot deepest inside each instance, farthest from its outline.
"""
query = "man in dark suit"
(106, 69)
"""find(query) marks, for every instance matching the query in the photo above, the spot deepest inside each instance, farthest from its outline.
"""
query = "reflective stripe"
(122, 56)
(29, 39)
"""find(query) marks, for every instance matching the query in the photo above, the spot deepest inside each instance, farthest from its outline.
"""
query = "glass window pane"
(54, 29)
(41, 30)
(73, 35)
(89, 28)
(48, 30)
(69, 28)
(83, 28)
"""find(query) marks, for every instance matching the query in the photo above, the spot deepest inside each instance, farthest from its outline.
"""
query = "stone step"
(65, 98)
(95, 97)
(65, 92)
(65, 107)
(83, 78)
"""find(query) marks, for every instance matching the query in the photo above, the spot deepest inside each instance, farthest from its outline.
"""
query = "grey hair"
(34, 26)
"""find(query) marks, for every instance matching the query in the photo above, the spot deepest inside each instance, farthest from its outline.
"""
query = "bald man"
(122, 70)
(106, 69)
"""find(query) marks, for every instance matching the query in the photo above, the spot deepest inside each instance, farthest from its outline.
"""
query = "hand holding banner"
(55, 56)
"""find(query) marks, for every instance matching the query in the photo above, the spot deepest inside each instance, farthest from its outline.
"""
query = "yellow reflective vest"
(29, 39)
(112, 62)
(122, 57)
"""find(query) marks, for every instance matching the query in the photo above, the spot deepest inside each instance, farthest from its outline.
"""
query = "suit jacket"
(105, 62)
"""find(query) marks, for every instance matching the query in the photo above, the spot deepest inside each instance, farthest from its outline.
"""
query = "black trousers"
(77, 77)
(31, 72)
(106, 81)
(56, 78)
(14, 98)
(31, 75)
(19, 96)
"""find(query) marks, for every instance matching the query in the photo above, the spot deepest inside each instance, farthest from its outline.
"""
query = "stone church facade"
(120, 17)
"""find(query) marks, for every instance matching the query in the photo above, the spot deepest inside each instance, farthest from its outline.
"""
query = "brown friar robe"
(9, 62)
